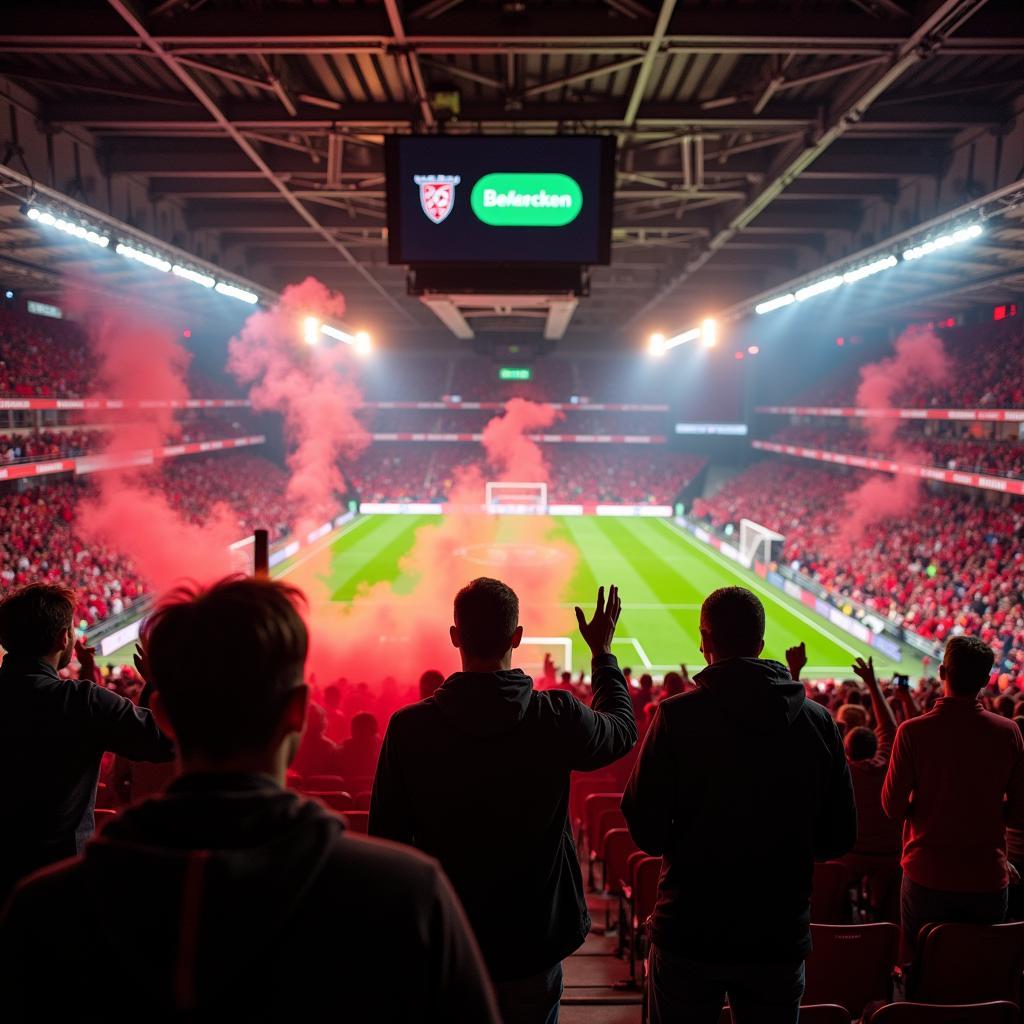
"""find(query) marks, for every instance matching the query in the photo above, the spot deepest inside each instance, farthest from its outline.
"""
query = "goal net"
(757, 542)
(516, 499)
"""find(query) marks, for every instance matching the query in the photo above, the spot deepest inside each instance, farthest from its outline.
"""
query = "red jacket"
(957, 781)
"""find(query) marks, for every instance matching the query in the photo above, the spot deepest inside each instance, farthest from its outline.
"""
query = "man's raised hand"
(796, 659)
(600, 630)
(866, 671)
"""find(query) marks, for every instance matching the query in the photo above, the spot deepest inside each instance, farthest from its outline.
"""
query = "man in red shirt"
(956, 780)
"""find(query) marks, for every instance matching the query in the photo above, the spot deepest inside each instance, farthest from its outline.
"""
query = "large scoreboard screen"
(499, 199)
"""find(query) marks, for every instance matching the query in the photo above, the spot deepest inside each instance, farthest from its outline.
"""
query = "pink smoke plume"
(312, 387)
(137, 358)
(509, 448)
(918, 358)
(388, 631)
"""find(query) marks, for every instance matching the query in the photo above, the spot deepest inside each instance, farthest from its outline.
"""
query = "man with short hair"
(54, 732)
(230, 896)
(956, 781)
(478, 776)
(741, 784)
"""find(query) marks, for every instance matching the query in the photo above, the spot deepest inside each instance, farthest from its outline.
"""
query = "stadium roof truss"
(757, 140)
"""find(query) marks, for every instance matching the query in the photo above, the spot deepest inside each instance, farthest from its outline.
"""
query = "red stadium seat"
(334, 801)
(593, 807)
(1001, 1012)
(102, 815)
(852, 965)
(608, 819)
(580, 787)
(967, 963)
(363, 799)
(814, 1014)
(324, 784)
(830, 893)
(357, 821)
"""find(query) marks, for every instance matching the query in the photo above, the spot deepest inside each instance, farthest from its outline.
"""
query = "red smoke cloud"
(312, 387)
(385, 632)
(918, 357)
(510, 450)
(136, 358)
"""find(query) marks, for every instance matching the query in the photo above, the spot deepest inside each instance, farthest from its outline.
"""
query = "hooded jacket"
(478, 776)
(53, 734)
(740, 786)
(230, 896)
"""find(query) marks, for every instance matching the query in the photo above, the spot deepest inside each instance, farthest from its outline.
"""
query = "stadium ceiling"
(757, 139)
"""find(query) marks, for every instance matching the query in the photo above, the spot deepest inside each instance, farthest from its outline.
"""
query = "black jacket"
(740, 785)
(242, 901)
(53, 733)
(478, 776)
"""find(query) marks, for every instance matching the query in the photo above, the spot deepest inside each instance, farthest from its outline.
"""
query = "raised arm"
(606, 730)
(885, 720)
(123, 728)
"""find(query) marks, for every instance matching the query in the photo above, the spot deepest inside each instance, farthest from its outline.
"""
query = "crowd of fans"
(954, 564)
(632, 475)
(50, 444)
(41, 357)
(987, 371)
(999, 457)
(39, 541)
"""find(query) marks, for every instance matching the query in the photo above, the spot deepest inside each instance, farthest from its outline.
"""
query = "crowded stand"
(51, 444)
(986, 372)
(955, 566)
(42, 357)
(1003, 457)
(577, 472)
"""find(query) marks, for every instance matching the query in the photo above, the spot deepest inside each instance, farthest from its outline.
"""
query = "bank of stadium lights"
(127, 249)
(916, 252)
(232, 291)
(69, 227)
(658, 344)
(965, 234)
(312, 328)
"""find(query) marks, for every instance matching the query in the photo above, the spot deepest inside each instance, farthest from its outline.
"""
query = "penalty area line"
(325, 542)
(753, 584)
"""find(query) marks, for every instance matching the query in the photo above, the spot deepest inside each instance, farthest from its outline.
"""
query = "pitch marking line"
(326, 542)
(761, 589)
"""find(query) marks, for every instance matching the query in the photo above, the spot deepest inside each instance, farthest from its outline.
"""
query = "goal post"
(757, 542)
(504, 497)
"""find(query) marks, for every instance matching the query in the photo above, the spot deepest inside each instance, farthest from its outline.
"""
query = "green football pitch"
(662, 572)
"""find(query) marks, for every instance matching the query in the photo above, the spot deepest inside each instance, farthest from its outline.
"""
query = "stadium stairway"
(590, 995)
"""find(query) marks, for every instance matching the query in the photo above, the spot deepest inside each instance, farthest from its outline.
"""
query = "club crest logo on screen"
(437, 194)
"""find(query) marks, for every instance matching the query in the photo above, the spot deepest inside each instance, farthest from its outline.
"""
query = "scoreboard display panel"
(517, 200)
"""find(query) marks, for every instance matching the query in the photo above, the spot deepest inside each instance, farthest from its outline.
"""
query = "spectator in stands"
(478, 776)
(430, 682)
(740, 786)
(335, 728)
(230, 895)
(956, 781)
(358, 755)
(316, 754)
(643, 696)
(875, 857)
(54, 732)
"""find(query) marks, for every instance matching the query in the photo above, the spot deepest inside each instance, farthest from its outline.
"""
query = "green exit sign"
(515, 373)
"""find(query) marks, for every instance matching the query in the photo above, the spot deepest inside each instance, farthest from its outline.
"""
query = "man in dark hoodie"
(230, 897)
(740, 786)
(478, 776)
(54, 732)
